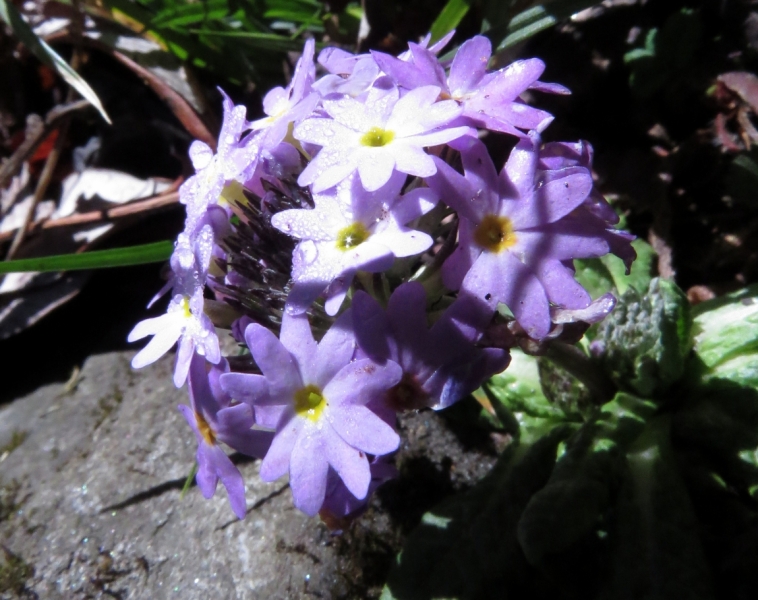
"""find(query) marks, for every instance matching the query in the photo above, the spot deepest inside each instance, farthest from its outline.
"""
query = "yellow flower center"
(185, 307)
(309, 402)
(233, 193)
(377, 137)
(352, 236)
(205, 429)
(495, 233)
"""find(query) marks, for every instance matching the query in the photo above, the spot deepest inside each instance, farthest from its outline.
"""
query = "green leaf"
(186, 14)
(467, 546)
(572, 505)
(646, 339)
(601, 275)
(623, 418)
(742, 179)
(98, 259)
(48, 56)
(648, 51)
(518, 400)
(296, 11)
(534, 20)
(450, 17)
(639, 275)
(726, 327)
(656, 549)
(680, 38)
(563, 389)
(266, 41)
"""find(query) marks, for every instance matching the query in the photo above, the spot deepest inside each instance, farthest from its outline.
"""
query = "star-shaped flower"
(284, 106)
(233, 157)
(185, 321)
(516, 238)
(490, 100)
(382, 134)
(214, 419)
(440, 366)
(318, 396)
(350, 230)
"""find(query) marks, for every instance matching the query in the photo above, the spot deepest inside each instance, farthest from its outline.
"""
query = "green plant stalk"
(576, 362)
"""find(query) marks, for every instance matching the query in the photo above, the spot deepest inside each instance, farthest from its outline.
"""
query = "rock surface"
(91, 506)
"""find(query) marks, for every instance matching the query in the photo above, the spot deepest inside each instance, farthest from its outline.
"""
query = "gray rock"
(91, 502)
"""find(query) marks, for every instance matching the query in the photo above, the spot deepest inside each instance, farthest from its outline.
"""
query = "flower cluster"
(365, 208)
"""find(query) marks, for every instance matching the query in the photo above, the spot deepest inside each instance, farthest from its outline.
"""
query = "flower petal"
(350, 463)
(308, 471)
(361, 381)
(274, 361)
(277, 459)
(362, 429)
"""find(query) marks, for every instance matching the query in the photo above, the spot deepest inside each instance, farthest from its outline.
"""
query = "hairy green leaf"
(518, 400)
(467, 546)
(726, 327)
(656, 547)
(571, 508)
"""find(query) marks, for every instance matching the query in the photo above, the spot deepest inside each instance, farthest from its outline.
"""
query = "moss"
(17, 438)
(8, 499)
(107, 404)
(14, 573)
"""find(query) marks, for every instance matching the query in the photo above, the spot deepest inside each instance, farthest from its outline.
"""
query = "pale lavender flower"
(490, 100)
(382, 134)
(316, 395)
(440, 365)
(516, 236)
(214, 171)
(350, 230)
(354, 74)
(214, 419)
(349, 74)
(184, 322)
(284, 106)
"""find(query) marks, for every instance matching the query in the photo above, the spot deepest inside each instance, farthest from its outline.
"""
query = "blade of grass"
(48, 56)
(450, 17)
(98, 259)
(267, 41)
(189, 14)
(534, 20)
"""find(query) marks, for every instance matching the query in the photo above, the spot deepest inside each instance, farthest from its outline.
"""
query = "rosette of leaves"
(650, 494)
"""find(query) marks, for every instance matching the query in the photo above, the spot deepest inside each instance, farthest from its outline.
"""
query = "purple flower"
(378, 136)
(489, 100)
(595, 209)
(516, 238)
(184, 320)
(350, 230)
(440, 366)
(317, 397)
(340, 507)
(214, 418)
